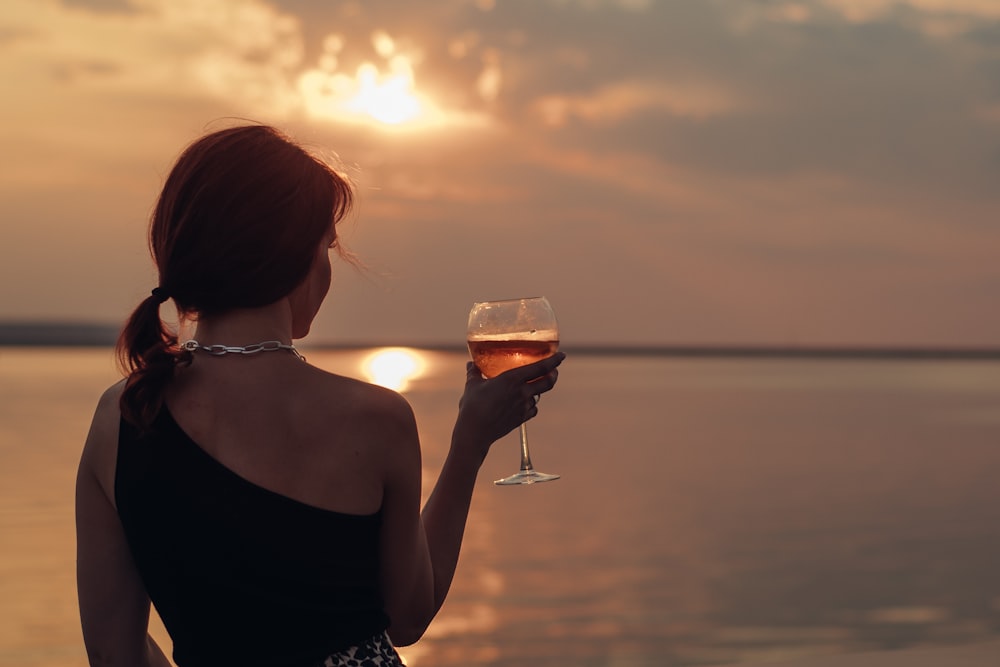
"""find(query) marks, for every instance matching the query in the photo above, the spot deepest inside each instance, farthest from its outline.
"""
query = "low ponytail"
(147, 354)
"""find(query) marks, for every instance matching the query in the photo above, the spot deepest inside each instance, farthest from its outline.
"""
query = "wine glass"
(506, 334)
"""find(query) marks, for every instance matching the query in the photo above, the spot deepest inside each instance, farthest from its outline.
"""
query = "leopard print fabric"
(376, 652)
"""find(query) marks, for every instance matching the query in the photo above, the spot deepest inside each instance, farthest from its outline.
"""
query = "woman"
(268, 509)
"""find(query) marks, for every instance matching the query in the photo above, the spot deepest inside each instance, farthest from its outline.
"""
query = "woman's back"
(289, 427)
(224, 558)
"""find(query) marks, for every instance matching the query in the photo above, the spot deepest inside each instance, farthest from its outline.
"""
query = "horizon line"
(721, 350)
(91, 334)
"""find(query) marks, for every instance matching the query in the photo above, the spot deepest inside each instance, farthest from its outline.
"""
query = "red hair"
(236, 226)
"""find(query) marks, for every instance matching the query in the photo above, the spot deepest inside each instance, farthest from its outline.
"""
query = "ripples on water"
(711, 510)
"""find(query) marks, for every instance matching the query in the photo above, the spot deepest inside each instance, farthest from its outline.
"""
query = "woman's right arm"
(415, 587)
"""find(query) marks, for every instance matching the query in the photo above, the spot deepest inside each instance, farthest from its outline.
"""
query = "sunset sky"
(772, 172)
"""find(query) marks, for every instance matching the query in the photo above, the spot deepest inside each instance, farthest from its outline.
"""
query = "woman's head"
(240, 218)
(239, 224)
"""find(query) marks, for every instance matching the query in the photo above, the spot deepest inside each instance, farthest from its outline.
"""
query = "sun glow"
(370, 95)
(389, 98)
(383, 94)
(393, 367)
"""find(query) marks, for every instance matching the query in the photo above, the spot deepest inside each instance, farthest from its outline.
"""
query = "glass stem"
(525, 457)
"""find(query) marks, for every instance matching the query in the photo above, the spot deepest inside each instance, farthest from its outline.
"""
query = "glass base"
(526, 477)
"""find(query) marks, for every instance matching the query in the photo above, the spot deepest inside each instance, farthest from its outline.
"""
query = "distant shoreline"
(83, 335)
(57, 334)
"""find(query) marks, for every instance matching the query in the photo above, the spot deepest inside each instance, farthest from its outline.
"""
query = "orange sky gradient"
(810, 172)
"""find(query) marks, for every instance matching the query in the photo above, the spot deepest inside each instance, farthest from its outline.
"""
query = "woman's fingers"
(544, 383)
(472, 372)
(492, 408)
(531, 407)
(536, 370)
(522, 373)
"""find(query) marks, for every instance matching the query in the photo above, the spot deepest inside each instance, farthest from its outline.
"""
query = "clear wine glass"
(506, 334)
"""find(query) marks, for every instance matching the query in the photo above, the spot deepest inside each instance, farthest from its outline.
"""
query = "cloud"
(617, 102)
(867, 10)
(628, 5)
(95, 77)
(92, 93)
(989, 113)
(933, 19)
(162, 47)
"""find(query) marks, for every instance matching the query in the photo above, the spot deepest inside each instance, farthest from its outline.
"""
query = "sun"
(389, 99)
(385, 96)
(381, 93)
(369, 96)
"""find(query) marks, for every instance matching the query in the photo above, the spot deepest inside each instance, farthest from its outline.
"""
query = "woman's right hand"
(491, 408)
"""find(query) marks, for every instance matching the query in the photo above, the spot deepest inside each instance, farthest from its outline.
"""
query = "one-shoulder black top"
(241, 575)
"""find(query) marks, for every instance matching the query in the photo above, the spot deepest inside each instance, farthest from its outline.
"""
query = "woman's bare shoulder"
(377, 409)
(364, 395)
(375, 425)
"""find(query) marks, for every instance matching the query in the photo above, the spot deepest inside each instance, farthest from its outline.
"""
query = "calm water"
(711, 511)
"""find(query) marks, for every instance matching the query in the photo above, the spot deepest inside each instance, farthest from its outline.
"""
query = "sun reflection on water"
(394, 367)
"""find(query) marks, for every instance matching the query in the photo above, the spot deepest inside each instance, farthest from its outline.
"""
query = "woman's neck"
(247, 326)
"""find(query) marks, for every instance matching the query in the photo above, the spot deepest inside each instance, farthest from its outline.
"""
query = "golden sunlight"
(389, 98)
(393, 367)
(382, 95)
(370, 95)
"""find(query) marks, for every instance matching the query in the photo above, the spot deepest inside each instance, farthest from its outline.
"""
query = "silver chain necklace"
(220, 350)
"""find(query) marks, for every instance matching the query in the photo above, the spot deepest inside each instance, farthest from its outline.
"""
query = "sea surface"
(711, 510)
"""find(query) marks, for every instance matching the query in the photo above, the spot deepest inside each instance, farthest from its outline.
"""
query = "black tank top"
(241, 575)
